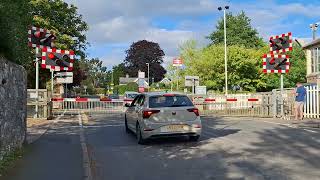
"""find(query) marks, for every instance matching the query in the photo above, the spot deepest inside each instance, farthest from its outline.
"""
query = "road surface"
(230, 148)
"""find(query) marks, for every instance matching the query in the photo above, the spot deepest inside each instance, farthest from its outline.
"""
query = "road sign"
(177, 62)
(141, 74)
(64, 77)
(201, 90)
(191, 81)
(57, 59)
(281, 43)
(141, 82)
(40, 38)
(276, 63)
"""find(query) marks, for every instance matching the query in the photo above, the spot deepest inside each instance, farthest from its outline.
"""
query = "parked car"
(153, 115)
(113, 96)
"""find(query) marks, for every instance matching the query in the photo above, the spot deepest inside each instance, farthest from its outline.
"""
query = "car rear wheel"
(126, 125)
(139, 135)
(194, 138)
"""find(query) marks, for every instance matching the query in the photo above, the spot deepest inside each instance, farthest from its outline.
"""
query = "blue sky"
(115, 24)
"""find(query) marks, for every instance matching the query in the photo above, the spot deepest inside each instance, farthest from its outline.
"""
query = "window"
(135, 101)
(315, 60)
(318, 59)
(140, 101)
(169, 101)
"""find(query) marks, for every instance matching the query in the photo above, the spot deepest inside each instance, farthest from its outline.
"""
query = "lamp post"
(148, 75)
(225, 47)
(314, 28)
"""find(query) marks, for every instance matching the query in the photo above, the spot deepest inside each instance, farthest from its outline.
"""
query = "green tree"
(143, 52)
(118, 71)
(239, 32)
(244, 67)
(14, 22)
(67, 25)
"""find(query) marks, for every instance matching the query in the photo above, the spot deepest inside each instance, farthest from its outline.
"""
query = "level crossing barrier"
(258, 104)
(89, 105)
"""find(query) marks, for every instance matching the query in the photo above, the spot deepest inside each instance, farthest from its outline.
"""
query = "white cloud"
(118, 23)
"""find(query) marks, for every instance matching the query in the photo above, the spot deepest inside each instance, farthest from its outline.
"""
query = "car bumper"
(156, 130)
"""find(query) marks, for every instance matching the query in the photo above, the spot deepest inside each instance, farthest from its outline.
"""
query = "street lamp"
(148, 75)
(314, 28)
(225, 47)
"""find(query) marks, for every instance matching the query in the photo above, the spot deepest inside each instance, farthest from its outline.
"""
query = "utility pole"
(37, 84)
(148, 75)
(225, 48)
(314, 28)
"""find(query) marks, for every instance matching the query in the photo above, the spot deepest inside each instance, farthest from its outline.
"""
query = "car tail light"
(195, 110)
(148, 113)
(196, 125)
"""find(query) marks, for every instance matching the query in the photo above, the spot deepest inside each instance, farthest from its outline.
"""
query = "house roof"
(312, 43)
(126, 80)
(165, 80)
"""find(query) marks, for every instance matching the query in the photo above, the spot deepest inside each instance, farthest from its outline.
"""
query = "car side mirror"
(127, 105)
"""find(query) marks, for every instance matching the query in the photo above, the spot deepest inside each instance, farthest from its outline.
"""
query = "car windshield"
(169, 101)
(131, 96)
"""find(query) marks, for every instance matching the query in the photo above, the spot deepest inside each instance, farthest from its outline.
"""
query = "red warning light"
(51, 55)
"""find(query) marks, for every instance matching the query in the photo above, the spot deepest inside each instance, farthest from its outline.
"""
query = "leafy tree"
(64, 21)
(118, 71)
(95, 73)
(143, 52)
(239, 32)
(244, 67)
(14, 22)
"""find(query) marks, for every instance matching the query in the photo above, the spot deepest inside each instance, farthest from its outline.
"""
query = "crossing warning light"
(276, 63)
(281, 43)
(57, 59)
(40, 38)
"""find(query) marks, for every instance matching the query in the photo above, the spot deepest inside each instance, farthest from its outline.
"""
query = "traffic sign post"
(177, 62)
(37, 84)
(57, 59)
(276, 62)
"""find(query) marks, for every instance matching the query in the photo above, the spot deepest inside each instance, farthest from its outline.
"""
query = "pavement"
(229, 148)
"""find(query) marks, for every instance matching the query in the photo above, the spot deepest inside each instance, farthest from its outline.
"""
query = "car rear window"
(169, 101)
(132, 96)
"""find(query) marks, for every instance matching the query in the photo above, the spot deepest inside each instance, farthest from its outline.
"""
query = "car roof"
(131, 92)
(159, 93)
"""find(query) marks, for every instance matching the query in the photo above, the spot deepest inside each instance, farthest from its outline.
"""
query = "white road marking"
(59, 117)
(310, 131)
(85, 153)
(287, 125)
(291, 126)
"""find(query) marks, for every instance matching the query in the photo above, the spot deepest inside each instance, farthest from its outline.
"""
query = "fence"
(269, 104)
(43, 108)
(259, 104)
(88, 105)
(311, 107)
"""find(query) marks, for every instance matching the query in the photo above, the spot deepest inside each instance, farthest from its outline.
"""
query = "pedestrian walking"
(300, 93)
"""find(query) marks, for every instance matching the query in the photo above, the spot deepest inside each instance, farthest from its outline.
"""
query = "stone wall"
(13, 106)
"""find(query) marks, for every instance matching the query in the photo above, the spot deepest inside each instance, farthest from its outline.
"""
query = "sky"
(116, 24)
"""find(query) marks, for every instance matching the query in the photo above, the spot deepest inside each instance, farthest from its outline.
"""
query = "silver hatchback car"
(152, 115)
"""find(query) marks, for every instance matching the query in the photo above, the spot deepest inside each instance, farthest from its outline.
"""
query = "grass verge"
(9, 160)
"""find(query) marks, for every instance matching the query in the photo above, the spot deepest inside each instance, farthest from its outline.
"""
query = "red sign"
(141, 89)
(177, 62)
